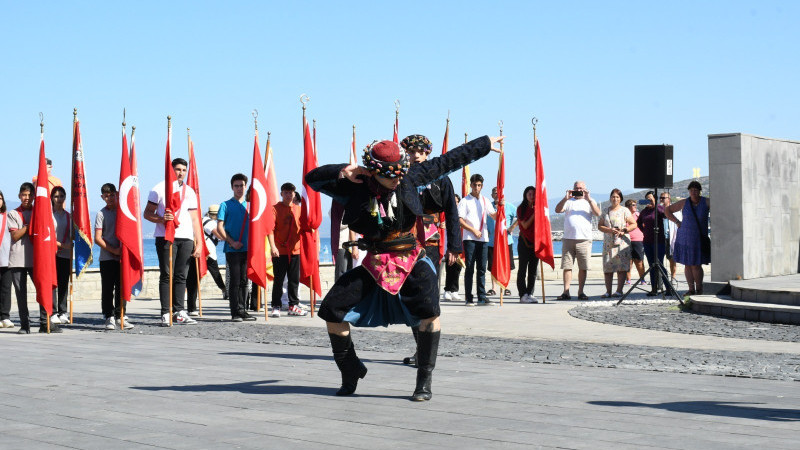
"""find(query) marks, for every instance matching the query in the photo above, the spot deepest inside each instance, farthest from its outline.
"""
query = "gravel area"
(658, 359)
(668, 317)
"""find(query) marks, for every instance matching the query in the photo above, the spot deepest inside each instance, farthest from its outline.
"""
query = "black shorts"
(637, 250)
(491, 257)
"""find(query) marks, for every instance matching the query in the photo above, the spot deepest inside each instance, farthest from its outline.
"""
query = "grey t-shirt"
(63, 232)
(106, 220)
(21, 253)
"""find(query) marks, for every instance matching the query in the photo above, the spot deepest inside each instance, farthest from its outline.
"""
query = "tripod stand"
(657, 267)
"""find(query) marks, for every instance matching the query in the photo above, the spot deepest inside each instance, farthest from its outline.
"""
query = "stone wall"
(755, 207)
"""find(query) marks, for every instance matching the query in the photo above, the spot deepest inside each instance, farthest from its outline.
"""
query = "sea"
(151, 258)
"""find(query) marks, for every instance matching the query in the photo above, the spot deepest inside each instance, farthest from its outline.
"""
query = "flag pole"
(41, 129)
(122, 300)
(171, 244)
(72, 254)
(534, 121)
(196, 260)
(496, 224)
(266, 288)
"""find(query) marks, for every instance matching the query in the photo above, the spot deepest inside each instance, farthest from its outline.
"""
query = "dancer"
(396, 283)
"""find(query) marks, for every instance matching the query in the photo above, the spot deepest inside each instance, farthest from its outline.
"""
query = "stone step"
(766, 290)
(724, 306)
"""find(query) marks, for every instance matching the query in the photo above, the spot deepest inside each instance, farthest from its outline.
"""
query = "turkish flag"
(43, 236)
(260, 217)
(172, 199)
(128, 228)
(193, 181)
(310, 218)
(442, 218)
(543, 242)
(273, 197)
(501, 260)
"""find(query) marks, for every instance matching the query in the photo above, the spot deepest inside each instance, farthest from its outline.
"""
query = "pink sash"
(390, 270)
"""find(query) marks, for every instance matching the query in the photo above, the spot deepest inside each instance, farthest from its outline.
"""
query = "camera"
(577, 193)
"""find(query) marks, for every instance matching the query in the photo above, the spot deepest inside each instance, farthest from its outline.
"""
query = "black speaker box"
(652, 166)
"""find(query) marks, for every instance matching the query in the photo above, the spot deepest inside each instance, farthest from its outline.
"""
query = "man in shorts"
(578, 208)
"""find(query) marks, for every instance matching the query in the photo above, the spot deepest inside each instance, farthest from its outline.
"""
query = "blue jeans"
(655, 276)
(476, 254)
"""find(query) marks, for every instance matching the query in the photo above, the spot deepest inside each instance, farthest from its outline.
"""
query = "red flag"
(137, 212)
(310, 218)
(81, 223)
(43, 237)
(172, 200)
(193, 181)
(442, 218)
(128, 227)
(260, 216)
(543, 242)
(353, 154)
(501, 260)
(273, 197)
(395, 137)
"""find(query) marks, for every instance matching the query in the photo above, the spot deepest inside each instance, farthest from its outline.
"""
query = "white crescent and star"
(124, 190)
(261, 195)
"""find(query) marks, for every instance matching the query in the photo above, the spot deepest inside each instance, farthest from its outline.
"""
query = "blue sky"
(600, 76)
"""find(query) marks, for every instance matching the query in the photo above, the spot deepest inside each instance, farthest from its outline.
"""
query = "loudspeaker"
(652, 166)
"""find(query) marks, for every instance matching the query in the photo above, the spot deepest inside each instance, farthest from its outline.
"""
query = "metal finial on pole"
(448, 116)
(255, 118)
(304, 99)
(501, 127)
(465, 138)
(534, 122)
(169, 122)
(41, 122)
(397, 108)
(123, 118)
(133, 130)
(74, 115)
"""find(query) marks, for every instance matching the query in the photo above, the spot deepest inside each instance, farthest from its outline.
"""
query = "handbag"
(705, 241)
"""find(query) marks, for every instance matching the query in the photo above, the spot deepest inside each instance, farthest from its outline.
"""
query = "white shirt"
(209, 225)
(578, 219)
(188, 202)
(474, 211)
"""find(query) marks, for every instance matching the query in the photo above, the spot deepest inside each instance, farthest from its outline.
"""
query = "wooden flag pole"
(500, 199)
(72, 254)
(534, 121)
(199, 294)
(171, 244)
(266, 308)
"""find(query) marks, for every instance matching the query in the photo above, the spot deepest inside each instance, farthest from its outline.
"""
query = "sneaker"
(532, 299)
(447, 296)
(194, 314)
(54, 319)
(53, 328)
(165, 320)
(238, 318)
(182, 318)
(455, 297)
(247, 317)
(525, 299)
(6, 323)
(295, 311)
(285, 307)
(276, 312)
(110, 323)
(64, 318)
(486, 302)
(469, 303)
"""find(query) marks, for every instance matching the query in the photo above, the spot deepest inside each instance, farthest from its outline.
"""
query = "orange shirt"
(287, 228)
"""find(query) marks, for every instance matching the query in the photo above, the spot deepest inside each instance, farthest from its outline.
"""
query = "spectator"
(511, 218)
(579, 208)
(211, 238)
(5, 273)
(52, 180)
(232, 227)
(670, 230)
(20, 260)
(285, 245)
(188, 239)
(472, 213)
(692, 244)
(105, 235)
(646, 222)
(616, 223)
(637, 247)
(64, 255)
(528, 262)
(453, 271)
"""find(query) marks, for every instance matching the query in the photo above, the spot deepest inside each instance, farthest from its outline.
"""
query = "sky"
(600, 77)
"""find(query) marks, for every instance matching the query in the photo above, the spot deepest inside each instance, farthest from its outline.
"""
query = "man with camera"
(579, 208)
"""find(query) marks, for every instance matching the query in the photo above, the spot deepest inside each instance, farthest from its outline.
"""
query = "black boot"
(427, 348)
(349, 365)
(412, 360)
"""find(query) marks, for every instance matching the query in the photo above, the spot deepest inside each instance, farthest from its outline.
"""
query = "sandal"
(606, 295)
(583, 296)
(564, 296)
(491, 292)
(617, 294)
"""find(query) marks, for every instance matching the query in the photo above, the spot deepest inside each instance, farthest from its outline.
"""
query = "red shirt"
(287, 228)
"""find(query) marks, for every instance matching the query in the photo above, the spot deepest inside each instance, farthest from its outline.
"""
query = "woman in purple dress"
(692, 244)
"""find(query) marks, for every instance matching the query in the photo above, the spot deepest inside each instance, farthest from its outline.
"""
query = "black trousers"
(181, 254)
(476, 253)
(451, 275)
(237, 294)
(19, 278)
(63, 270)
(110, 298)
(286, 266)
(528, 263)
(344, 262)
(5, 293)
(191, 281)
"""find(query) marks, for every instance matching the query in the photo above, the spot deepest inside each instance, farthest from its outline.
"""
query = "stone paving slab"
(126, 390)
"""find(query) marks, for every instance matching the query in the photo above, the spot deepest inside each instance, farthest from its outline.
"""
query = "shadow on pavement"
(259, 387)
(309, 357)
(713, 408)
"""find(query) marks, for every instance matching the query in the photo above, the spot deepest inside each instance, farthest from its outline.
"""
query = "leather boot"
(427, 349)
(412, 360)
(349, 365)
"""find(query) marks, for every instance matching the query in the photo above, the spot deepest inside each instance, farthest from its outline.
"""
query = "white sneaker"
(455, 297)
(64, 318)
(182, 318)
(525, 298)
(295, 311)
(194, 314)
(6, 323)
(276, 312)
(165, 320)
(448, 296)
(532, 299)
(54, 319)
(110, 323)
(127, 325)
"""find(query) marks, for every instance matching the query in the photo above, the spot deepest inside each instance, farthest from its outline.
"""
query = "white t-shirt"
(5, 241)
(475, 212)
(209, 225)
(578, 219)
(188, 203)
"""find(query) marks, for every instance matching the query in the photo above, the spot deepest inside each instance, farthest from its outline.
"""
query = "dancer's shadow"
(306, 357)
(714, 408)
(258, 387)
